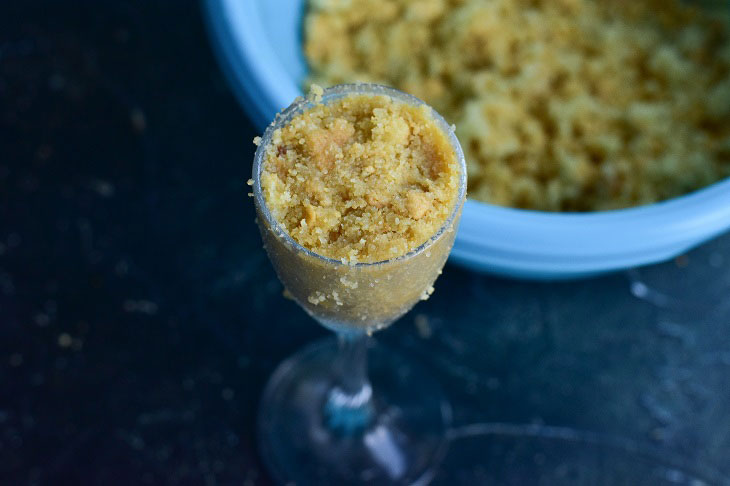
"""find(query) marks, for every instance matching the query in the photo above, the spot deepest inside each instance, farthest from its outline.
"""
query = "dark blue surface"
(140, 318)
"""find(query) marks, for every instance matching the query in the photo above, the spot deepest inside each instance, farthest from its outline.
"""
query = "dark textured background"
(140, 318)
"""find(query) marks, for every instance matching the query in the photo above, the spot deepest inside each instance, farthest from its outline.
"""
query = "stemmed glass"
(328, 414)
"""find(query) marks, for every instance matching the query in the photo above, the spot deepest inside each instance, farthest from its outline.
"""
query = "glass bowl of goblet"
(330, 415)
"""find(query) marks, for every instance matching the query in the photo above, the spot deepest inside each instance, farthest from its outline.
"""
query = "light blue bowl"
(258, 43)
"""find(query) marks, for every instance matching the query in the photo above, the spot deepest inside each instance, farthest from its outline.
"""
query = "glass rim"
(333, 93)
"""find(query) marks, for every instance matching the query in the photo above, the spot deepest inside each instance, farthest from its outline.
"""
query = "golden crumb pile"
(560, 105)
(361, 179)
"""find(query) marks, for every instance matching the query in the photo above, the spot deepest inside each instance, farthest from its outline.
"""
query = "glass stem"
(349, 407)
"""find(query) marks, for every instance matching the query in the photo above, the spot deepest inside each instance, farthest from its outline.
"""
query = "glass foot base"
(403, 443)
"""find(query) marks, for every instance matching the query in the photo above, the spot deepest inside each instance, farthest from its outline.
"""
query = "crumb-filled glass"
(328, 414)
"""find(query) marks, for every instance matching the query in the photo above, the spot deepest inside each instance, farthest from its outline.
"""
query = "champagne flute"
(328, 414)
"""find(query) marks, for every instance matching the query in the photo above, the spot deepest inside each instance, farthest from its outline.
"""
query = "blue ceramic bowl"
(259, 47)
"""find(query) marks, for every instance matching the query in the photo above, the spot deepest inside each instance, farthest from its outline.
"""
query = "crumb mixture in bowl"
(362, 178)
(560, 105)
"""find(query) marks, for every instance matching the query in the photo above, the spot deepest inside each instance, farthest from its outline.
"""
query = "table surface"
(140, 317)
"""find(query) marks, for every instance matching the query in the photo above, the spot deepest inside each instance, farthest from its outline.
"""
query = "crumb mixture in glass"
(361, 178)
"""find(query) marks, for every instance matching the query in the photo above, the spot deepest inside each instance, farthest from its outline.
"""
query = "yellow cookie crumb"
(315, 93)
